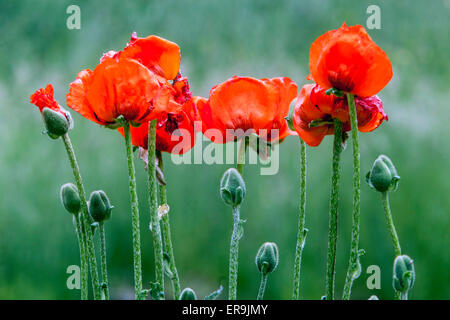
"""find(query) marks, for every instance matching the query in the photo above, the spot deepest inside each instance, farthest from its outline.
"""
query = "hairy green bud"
(404, 275)
(232, 187)
(267, 257)
(70, 198)
(55, 122)
(383, 175)
(188, 294)
(99, 206)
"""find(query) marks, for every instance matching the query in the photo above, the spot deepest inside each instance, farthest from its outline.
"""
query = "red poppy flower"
(347, 59)
(172, 130)
(315, 110)
(249, 105)
(43, 98)
(132, 83)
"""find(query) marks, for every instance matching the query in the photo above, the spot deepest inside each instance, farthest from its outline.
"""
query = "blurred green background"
(219, 39)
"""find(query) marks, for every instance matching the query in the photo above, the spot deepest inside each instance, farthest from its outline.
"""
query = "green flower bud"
(383, 175)
(70, 198)
(99, 206)
(232, 187)
(188, 294)
(404, 275)
(56, 123)
(267, 257)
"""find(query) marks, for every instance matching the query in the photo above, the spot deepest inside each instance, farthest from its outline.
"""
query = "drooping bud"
(99, 206)
(267, 257)
(383, 175)
(404, 275)
(232, 187)
(188, 294)
(55, 122)
(70, 198)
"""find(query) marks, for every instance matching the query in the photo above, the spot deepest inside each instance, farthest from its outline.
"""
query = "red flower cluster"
(348, 60)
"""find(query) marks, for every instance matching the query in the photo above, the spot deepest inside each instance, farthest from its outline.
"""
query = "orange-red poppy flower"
(315, 110)
(43, 98)
(174, 133)
(132, 83)
(248, 105)
(347, 59)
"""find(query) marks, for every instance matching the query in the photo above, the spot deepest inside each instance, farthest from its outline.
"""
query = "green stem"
(390, 223)
(154, 218)
(262, 286)
(134, 215)
(83, 257)
(234, 253)
(241, 154)
(168, 247)
(301, 233)
(353, 267)
(333, 216)
(105, 284)
(85, 216)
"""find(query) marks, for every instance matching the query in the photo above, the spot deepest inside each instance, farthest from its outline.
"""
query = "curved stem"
(134, 214)
(85, 216)
(83, 257)
(390, 223)
(262, 286)
(301, 233)
(333, 216)
(168, 247)
(234, 254)
(154, 219)
(105, 284)
(352, 272)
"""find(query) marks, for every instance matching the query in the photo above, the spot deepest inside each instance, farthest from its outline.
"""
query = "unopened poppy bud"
(99, 206)
(56, 123)
(232, 187)
(267, 257)
(404, 275)
(188, 294)
(70, 198)
(383, 175)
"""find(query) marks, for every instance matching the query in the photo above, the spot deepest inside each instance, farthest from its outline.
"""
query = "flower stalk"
(390, 223)
(234, 254)
(134, 214)
(154, 218)
(89, 237)
(302, 231)
(83, 257)
(353, 267)
(104, 269)
(262, 286)
(333, 216)
(168, 247)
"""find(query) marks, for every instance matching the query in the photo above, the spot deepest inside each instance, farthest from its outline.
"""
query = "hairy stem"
(301, 233)
(154, 218)
(352, 272)
(137, 260)
(234, 254)
(262, 286)
(333, 216)
(89, 237)
(168, 247)
(83, 258)
(104, 269)
(390, 223)
(241, 154)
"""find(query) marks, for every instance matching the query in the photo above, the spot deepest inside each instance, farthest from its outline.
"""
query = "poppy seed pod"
(56, 123)
(383, 175)
(70, 198)
(404, 275)
(188, 294)
(267, 257)
(99, 206)
(232, 187)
